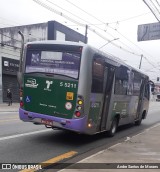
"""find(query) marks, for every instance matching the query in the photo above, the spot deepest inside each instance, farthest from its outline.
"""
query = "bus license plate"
(47, 122)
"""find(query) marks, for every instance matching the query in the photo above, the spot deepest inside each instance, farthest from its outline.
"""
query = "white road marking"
(21, 135)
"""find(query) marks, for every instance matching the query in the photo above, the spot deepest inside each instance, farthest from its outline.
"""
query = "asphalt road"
(27, 143)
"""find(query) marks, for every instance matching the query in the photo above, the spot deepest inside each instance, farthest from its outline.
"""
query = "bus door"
(108, 83)
(140, 101)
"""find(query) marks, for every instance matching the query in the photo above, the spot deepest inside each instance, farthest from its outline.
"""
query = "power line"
(152, 9)
(72, 20)
(123, 20)
(130, 18)
(10, 37)
(6, 45)
(157, 3)
(112, 28)
(88, 23)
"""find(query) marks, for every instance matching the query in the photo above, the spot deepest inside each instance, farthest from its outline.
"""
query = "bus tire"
(113, 128)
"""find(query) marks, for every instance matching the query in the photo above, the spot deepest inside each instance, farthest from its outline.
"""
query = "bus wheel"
(113, 128)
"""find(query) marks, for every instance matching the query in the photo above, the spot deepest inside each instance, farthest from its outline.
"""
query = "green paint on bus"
(50, 96)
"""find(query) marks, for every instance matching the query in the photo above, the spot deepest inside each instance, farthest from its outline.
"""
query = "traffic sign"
(149, 31)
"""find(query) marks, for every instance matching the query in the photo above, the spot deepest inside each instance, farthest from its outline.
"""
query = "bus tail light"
(21, 97)
(80, 102)
(77, 114)
(21, 104)
(79, 106)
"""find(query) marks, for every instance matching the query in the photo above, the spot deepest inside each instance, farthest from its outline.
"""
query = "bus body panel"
(77, 125)
(50, 96)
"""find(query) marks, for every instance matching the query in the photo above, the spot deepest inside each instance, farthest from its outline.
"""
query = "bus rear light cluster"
(21, 104)
(77, 114)
(79, 107)
(21, 98)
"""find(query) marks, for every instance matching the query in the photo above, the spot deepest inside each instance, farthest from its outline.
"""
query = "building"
(10, 43)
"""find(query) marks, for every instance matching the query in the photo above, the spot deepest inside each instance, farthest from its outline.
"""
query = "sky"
(110, 22)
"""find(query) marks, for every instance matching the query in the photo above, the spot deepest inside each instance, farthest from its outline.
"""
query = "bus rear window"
(62, 63)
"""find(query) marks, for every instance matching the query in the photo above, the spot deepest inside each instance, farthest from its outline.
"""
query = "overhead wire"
(157, 3)
(4, 45)
(81, 24)
(130, 18)
(93, 30)
(155, 6)
(10, 37)
(151, 9)
(112, 29)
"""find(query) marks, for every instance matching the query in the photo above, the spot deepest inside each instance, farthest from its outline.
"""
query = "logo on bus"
(48, 85)
(28, 99)
(31, 82)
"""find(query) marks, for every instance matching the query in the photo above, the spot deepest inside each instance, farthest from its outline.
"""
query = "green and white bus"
(72, 86)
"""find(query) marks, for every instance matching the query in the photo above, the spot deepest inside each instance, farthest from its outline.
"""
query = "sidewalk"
(138, 152)
(5, 108)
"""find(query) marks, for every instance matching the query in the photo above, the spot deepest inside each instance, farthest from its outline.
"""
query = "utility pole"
(140, 61)
(86, 32)
(19, 73)
(21, 52)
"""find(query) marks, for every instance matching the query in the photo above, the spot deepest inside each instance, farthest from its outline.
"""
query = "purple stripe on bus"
(71, 124)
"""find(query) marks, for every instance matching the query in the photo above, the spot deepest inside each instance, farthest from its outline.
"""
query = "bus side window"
(120, 87)
(137, 84)
(146, 92)
(97, 74)
(121, 80)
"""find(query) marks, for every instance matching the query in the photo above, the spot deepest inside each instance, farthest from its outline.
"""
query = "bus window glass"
(121, 81)
(62, 63)
(137, 84)
(120, 87)
(146, 92)
(97, 75)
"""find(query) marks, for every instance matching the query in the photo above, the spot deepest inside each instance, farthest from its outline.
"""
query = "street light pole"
(19, 73)
(21, 52)
(108, 42)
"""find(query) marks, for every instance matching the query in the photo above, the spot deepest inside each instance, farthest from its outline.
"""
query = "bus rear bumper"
(77, 125)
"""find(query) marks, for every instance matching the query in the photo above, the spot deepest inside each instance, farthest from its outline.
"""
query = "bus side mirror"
(19, 78)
